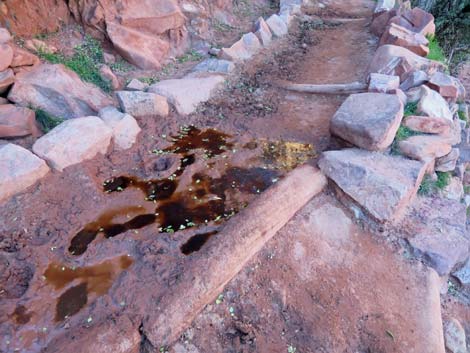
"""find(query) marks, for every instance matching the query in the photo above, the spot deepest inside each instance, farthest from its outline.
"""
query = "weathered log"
(340, 88)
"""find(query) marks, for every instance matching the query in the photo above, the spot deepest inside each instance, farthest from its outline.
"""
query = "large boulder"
(432, 104)
(19, 169)
(143, 50)
(23, 57)
(125, 127)
(277, 26)
(187, 93)
(58, 91)
(383, 185)
(368, 120)
(74, 141)
(444, 84)
(398, 35)
(421, 21)
(140, 104)
(17, 121)
(263, 32)
(398, 61)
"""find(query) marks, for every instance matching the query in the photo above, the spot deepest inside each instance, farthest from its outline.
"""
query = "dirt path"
(302, 293)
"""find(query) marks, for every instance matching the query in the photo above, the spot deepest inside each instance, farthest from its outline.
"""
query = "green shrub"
(85, 61)
(47, 121)
(435, 50)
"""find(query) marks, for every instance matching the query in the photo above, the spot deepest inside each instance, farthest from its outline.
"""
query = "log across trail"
(338, 88)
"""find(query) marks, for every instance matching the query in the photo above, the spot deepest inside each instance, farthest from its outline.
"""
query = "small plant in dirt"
(291, 349)
(411, 109)
(47, 121)
(148, 80)
(192, 55)
(429, 186)
(403, 133)
(85, 61)
(435, 50)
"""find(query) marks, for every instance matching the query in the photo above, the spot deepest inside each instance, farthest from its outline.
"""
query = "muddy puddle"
(212, 177)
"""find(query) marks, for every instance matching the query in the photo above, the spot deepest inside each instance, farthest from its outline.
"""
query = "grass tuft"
(85, 61)
(435, 50)
(411, 109)
(429, 186)
(47, 121)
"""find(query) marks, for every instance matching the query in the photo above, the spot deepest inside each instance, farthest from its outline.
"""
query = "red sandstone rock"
(422, 21)
(380, 22)
(7, 78)
(398, 35)
(444, 84)
(16, 121)
(425, 147)
(22, 57)
(427, 124)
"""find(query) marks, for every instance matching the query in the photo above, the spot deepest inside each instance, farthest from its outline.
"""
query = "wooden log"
(340, 88)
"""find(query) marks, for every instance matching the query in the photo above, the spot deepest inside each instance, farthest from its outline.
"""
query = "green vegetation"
(148, 80)
(192, 55)
(462, 115)
(428, 186)
(411, 109)
(435, 50)
(85, 61)
(403, 133)
(47, 121)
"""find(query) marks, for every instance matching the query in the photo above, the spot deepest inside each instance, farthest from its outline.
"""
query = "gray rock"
(368, 120)
(187, 93)
(380, 83)
(432, 104)
(438, 233)
(463, 273)
(217, 66)
(454, 190)
(136, 85)
(383, 185)
(448, 162)
(74, 141)
(425, 147)
(58, 91)
(454, 336)
(277, 26)
(125, 127)
(5, 36)
(244, 49)
(384, 5)
(414, 79)
(19, 169)
(140, 104)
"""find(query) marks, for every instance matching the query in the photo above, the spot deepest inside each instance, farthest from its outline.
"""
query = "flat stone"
(58, 91)
(424, 147)
(17, 121)
(381, 83)
(217, 66)
(7, 78)
(5, 36)
(454, 336)
(398, 35)
(136, 85)
(263, 32)
(368, 120)
(6, 56)
(23, 57)
(444, 85)
(125, 127)
(381, 184)
(384, 5)
(19, 169)
(277, 26)
(448, 163)
(432, 104)
(187, 93)
(140, 104)
(74, 141)
(427, 124)
(414, 79)
(244, 49)
(398, 61)
(413, 95)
